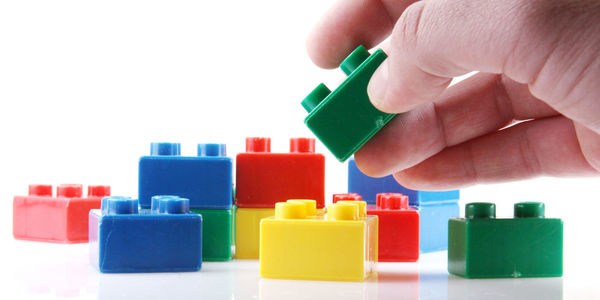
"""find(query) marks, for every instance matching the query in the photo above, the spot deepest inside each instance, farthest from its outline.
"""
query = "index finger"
(350, 23)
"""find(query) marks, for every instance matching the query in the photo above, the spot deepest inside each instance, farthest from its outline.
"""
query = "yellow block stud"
(362, 207)
(339, 247)
(311, 205)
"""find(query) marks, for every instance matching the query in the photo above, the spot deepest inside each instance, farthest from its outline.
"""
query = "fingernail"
(378, 85)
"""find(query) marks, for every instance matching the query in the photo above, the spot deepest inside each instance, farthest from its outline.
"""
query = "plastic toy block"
(433, 224)
(247, 231)
(166, 238)
(264, 178)
(345, 119)
(398, 226)
(61, 219)
(216, 234)
(206, 179)
(369, 187)
(529, 245)
(297, 243)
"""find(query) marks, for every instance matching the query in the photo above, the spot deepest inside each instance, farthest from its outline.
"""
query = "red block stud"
(264, 178)
(258, 144)
(346, 197)
(60, 219)
(398, 228)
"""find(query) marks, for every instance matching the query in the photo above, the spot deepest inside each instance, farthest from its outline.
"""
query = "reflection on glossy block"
(61, 219)
(205, 179)
(216, 234)
(299, 244)
(166, 238)
(345, 119)
(264, 178)
(529, 245)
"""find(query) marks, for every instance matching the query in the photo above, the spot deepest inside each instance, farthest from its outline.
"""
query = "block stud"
(98, 190)
(362, 207)
(315, 97)
(166, 149)
(354, 60)
(258, 144)
(311, 205)
(392, 201)
(346, 197)
(212, 150)
(480, 210)
(343, 211)
(290, 210)
(69, 190)
(172, 205)
(118, 205)
(40, 190)
(302, 145)
(529, 210)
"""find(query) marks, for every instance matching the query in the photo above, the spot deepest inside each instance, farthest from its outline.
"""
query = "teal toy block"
(345, 119)
(529, 245)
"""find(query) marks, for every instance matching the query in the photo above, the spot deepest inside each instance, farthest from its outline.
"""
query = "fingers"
(541, 147)
(476, 106)
(434, 41)
(589, 142)
(350, 23)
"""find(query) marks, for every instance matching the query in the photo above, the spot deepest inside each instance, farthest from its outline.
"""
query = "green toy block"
(529, 245)
(345, 119)
(216, 234)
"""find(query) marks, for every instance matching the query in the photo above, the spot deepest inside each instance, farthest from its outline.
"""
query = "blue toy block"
(433, 224)
(435, 208)
(165, 238)
(206, 179)
(369, 187)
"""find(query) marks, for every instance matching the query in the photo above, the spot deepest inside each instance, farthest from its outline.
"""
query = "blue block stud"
(206, 179)
(125, 239)
(435, 208)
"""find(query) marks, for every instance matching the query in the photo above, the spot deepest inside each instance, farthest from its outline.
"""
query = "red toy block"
(60, 219)
(398, 226)
(264, 178)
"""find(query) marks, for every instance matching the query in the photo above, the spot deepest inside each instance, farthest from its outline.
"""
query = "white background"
(85, 86)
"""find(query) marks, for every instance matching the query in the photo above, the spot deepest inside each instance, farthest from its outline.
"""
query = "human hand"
(539, 67)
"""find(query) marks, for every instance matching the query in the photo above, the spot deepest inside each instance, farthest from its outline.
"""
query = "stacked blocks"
(206, 180)
(298, 243)
(264, 178)
(165, 238)
(529, 245)
(435, 208)
(345, 119)
(60, 219)
(398, 226)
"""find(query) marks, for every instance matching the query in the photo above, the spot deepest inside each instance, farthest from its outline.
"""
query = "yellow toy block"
(297, 244)
(247, 230)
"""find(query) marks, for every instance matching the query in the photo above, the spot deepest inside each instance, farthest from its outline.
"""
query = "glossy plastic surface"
(247, 231)
(62, 219)
(433, 224)
(264, 178)
(398, 226)
(123, 239)
(369, 187)
(345, 119)
(529, 245)
(216, 234)
(341, 246)
(205, 179)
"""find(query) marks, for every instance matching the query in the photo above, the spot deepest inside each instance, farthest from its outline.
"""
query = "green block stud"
(345, 119)
(216, 234)
(529, 245)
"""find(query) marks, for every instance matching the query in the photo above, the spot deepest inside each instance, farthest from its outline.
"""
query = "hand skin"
(539, 72)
